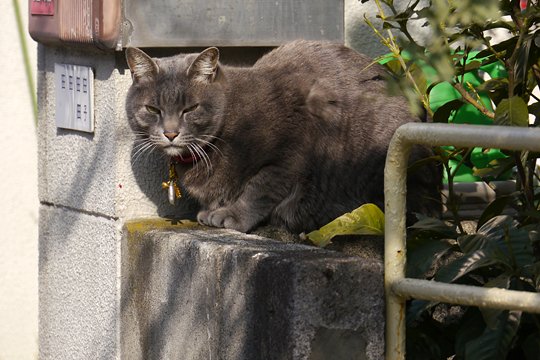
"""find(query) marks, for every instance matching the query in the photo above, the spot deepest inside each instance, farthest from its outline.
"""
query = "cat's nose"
(170, 135)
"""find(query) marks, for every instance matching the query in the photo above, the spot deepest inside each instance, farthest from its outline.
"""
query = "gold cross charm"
(172, 185)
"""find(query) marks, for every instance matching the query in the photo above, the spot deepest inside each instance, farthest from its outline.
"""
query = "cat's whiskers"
(142, 152)
(210, 144)
(197, 146)
(202, 155)
(211, 137)
(194, 155)
(145, 147)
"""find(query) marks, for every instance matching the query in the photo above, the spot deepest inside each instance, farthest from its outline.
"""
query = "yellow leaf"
(368, 219)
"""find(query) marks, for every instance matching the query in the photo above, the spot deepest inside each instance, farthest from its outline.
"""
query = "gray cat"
(295, 140)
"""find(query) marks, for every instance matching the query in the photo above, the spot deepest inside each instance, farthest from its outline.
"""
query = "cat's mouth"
(181, 155)
(186, 159)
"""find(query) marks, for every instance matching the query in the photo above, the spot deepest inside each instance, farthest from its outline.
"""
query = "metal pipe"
(502, 137)
(462, 135)
(395, 179)
(494, 298)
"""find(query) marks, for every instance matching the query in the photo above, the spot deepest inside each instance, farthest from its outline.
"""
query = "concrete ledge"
(192, 293)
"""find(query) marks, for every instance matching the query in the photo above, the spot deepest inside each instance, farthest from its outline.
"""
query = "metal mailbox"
(114, 24)
(86, 22)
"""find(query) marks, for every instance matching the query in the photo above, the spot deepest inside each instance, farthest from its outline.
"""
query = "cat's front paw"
(222, 217)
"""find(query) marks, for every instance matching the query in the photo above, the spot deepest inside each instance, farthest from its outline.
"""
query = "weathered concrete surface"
(78, 290)
(218, 294)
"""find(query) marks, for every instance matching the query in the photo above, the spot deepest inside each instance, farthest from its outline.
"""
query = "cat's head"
(176, 103)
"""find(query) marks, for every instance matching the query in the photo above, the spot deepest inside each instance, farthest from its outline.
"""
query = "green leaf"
(519, 249)
(522, 62)
(470, 243)
(531, 346)
(488, 234)
(419, 78)
(493, 209)
(442, 114)
(496, 168)
(496, 225)
(512, 112)
(417, 308)
(491, 315)
(493, 85)
(388, 25)
(421, 259)
(435, 225)
(403, 16)
(368, 219)
(495, 343)
(464, 265)
(535, 108)
(471, 327)
(496, 89)
(393, 65)
(503, 243)
(472, 66)
(503, 47)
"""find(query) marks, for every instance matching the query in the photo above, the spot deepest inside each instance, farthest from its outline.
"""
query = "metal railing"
(398, 288)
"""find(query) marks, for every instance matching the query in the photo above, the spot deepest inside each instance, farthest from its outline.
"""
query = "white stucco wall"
(18, 195)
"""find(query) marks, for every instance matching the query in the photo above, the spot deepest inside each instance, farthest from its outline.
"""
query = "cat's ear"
(141, 65)
(205, 66)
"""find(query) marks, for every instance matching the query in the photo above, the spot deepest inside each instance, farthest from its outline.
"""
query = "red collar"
(191, 158)
(186, 160)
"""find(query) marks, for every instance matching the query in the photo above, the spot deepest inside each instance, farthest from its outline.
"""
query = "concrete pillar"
(102, 295)
(87, 188)
(200, 294)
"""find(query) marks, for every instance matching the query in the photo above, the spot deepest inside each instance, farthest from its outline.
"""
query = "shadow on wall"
(167, 309)
(154, 162)
(216, 295)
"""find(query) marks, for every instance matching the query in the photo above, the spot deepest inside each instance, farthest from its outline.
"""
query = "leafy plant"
(494, 82)
(500, 253)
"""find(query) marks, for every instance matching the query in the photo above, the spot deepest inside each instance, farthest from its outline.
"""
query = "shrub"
(503, 250)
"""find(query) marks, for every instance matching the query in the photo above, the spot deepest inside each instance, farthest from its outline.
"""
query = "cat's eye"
(191, 108)
(152, 109)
